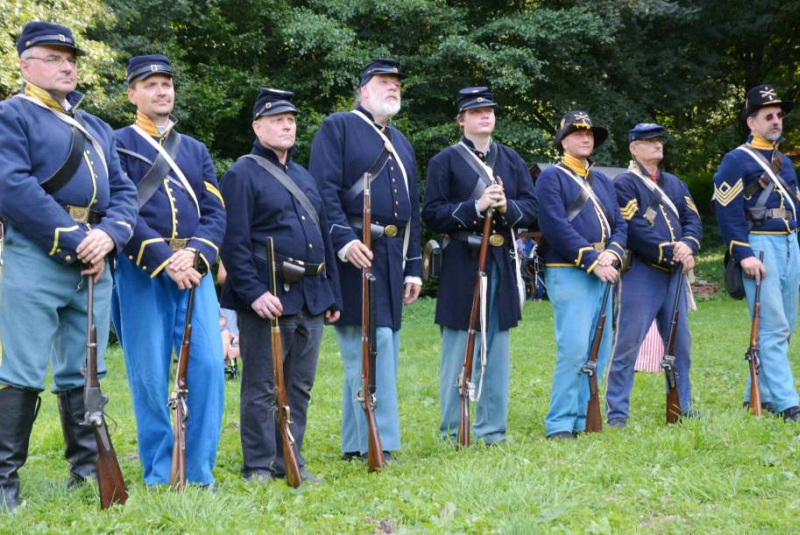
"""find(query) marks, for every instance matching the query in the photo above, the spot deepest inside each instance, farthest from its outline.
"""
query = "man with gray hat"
(664, 234)
(756, 198)
(180, 212)
(66, 205)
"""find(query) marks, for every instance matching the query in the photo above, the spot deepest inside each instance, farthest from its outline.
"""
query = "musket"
(369, 347)
(753, 354)
(178, 397)
(465, 386)
(594, 419)
(109, 474)
(668, 362)
(293, 476)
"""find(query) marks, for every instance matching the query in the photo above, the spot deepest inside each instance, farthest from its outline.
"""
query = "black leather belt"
(772, 213)
(474, 240)
(308, 269)
(81, 214)
(378, 230)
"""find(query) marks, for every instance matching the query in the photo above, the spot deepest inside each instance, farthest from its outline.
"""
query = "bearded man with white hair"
(348, 145)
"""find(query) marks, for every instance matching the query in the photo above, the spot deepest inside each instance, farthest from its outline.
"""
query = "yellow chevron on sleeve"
(629, 210)
(690, 203)
(210, 187)
(725, 193)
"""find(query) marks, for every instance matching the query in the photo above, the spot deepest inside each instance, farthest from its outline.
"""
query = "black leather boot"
(80, 447)
(18, 410)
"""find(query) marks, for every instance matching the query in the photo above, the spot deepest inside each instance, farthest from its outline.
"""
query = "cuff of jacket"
(617, 249)
(740, 250)
(65, 242)
(152, 256)
(466, 214)
(692, 242)
(208, 251)
(586, 259)
(513, 214)
(119, 231)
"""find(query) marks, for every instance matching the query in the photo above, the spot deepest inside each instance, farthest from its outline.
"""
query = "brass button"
(303, 217)
(475, 222)
(393, 180)
(397, 203)
(395, 214)
(395, 190)
(310, 245)
(144, 268)
(130, 257)
(391, 168)
(68, 258)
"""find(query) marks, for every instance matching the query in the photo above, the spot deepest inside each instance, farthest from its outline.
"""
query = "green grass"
(727, 472)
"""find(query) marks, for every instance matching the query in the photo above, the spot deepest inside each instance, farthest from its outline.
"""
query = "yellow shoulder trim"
(690, 203)
(145, 243)
(214, 191)
(56, 235)
(629, 210)
(725, 193)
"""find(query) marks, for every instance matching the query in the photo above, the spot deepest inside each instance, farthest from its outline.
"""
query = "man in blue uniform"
(347, 145)
(181, 211)
(271, 196)
(66, 205)
(585, 237)
(459, 191)
(755, 189)
(664, 233)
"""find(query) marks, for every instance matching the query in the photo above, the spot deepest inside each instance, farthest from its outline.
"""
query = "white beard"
(382, 107)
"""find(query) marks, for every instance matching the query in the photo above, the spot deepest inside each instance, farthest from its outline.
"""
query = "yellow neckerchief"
(144, 122)
(576, 165)
(40, 94)
(758, 142)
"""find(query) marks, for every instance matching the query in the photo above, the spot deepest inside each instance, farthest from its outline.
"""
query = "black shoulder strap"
(287, 183)
(483, 180)
(64, 174)
(577, 205)
(373, 171)
(150, 182)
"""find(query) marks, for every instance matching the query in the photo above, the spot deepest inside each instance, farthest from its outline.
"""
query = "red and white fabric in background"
(651, 352)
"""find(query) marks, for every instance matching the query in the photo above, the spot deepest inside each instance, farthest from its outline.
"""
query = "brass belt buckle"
(390, 231)
(79, 213)
(598, 246)
(176, 244)
(320, 267)
(496, 240)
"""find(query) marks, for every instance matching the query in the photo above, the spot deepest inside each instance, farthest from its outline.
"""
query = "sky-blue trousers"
(43, 317)
(491, 410)
(354, 423)
(648, 294)
(779, 293)
(149, 314)
(576, 297)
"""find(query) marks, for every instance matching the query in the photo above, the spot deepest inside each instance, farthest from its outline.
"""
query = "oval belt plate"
(390, 231)
(496, 240)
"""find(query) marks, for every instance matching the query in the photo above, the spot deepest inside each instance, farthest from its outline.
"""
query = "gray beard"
(773, 137)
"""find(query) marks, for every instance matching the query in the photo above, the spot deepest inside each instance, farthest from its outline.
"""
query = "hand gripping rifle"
(674, 411)
(594, 419)
(293, 476)
(753, 354)
(177, 399)
(466, 388)
(109, 474)
(369, 347)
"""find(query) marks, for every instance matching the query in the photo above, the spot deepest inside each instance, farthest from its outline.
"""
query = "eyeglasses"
(770, 116)
(56, 61)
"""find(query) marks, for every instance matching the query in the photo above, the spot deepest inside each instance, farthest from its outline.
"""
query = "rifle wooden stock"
(464, 425)
(178, 397)
(110, 481)
(753, 354)
(673, 402)
(375, 458)
(594, 418)
(284, 413)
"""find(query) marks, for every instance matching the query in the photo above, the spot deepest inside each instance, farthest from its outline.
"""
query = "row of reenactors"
(73, 192)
